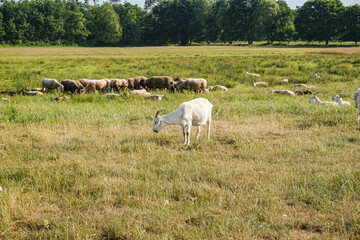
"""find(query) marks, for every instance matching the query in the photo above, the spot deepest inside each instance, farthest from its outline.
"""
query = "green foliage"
(319, 20)
(350, 19)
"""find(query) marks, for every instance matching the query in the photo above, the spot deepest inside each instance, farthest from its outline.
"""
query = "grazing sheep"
(84, 82)
(259, 84)
(315, 99)
(356, 99)
(284, 81)
(159, 82)
(96, 85)
(196, 112)
(316, 75)
(283, 92)
(137, 82)
(217, 87)
(118, 84)
(192, 84)
(339, 100)
(51, 84)
(72, 86)
(155, 97)
(299, 85)
(252, 74)
(142, 92)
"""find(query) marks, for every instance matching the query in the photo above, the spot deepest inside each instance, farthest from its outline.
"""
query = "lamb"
(96, 85)
(283, 92)
(159, 82)
(155, 97)
(193, 84)
(252, 74)
(72, 86)
(31, 93)
(356, 99)
(217, 87)
(259, 84)
(315, 99)
(51, 84)
(341, 102)
(196, 112)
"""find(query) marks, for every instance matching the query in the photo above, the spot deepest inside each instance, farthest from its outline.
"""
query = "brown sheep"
(193, 84)
(136, 82)
(118, 84)
(160, 82)
(84, 81)
(96, 85)
(72, 86)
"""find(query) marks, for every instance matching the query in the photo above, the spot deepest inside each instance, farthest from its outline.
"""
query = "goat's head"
(158, 125)
(314, 98)
(336, 98)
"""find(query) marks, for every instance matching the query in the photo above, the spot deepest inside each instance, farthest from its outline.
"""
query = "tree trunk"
(230, 42)
(327, 42)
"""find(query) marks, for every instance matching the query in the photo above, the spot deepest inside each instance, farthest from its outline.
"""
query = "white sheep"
(51, 84)
(315, 99)
(252, 74)
(341, 102)
(259, 84)
(142, 92)
(284, 80)
(356, 99)
(283, 92)
(196, 112)
(217, 87)
(154, 97)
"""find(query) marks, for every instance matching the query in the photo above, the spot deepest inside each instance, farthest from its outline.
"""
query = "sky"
(291, 3)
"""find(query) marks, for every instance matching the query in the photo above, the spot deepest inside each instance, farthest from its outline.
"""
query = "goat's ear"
(158, 113)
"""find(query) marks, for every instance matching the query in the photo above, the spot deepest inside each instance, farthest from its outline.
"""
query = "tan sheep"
(259, 84)
(197, 85)
(283, 92)
(160, 82)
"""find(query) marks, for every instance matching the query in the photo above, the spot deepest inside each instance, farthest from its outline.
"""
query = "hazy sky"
(292, 3)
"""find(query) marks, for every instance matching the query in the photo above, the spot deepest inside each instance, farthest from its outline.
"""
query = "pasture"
(276, 167)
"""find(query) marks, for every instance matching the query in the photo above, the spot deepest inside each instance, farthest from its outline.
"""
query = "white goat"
(196, 112)
(356, 99)
(341, 102)
(252, 74)
(316, 75)
(315, 99)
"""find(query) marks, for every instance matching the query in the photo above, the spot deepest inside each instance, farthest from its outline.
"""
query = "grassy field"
(276, 167)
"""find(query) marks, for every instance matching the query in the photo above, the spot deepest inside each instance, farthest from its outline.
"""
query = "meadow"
(276, 167)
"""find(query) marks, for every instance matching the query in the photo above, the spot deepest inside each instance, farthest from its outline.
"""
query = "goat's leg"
(198, 133)
(184, 133)
(188, 130)
(209, 125)
(358, 115)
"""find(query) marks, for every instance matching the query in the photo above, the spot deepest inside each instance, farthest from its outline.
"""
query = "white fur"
(252, 74)
(51, 84)
(341, 102)
(259, 84)
(283, 92)
(196, 112)
(315, 99)
(356, 99)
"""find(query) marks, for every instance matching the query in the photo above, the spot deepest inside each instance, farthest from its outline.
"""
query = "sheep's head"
(158, 125)
(314, 98)
(61, 87)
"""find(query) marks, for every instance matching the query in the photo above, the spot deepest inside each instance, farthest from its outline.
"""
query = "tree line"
(68, 22)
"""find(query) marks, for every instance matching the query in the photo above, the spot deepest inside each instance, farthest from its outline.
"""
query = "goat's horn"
(158, 113)
(316, 93)
(341, 94)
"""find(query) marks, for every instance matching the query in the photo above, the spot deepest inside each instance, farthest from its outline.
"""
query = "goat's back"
(198, 111)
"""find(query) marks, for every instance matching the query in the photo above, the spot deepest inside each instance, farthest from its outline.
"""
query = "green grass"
(276, 167)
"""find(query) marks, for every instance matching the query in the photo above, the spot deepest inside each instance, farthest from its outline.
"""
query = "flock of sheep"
(196, 112)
